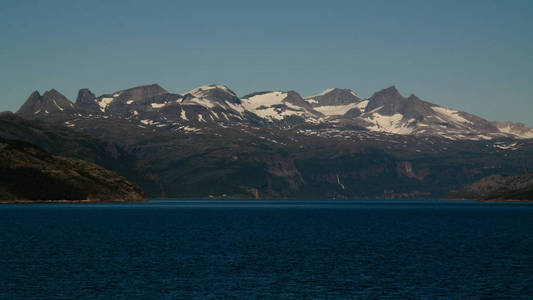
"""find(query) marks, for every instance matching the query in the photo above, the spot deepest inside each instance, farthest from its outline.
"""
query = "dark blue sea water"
(267, 249)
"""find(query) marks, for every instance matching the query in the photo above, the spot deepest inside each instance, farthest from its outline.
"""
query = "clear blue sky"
(475, 56)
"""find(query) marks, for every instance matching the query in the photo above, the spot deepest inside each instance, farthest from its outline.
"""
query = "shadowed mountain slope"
(28, 173)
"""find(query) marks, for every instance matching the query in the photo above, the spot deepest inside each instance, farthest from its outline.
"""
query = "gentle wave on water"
(169, 248)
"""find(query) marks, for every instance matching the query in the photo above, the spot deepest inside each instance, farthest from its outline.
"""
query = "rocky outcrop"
(29, 174)
(499, 187)
(86, 101)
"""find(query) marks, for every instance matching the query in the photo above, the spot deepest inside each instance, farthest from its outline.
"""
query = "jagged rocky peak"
(216, 92)
(53, 93)
(389, 100)
(59, 102)
(50, 102)
(415, 108)
(35, 96)
(334, 97)
(32, 104)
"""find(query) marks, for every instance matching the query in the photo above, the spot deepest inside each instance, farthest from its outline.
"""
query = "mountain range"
(216, 105)
(211, 142)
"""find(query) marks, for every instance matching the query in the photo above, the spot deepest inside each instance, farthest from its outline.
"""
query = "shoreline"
(69, 201)
(280, 199)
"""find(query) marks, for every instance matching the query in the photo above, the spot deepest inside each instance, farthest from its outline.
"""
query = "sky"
(476, 56)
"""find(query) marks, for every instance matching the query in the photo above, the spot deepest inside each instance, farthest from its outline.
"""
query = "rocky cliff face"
(499, 187)
(62, 141)
(29, 174)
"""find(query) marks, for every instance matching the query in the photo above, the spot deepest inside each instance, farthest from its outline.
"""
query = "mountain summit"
(51, 102)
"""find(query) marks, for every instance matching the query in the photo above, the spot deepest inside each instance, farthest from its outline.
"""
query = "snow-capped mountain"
(209, 142)
(276, 107)
(386, 111)
(338, 102)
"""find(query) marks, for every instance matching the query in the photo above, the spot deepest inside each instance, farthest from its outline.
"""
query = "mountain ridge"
(274, 146)
(385, 111)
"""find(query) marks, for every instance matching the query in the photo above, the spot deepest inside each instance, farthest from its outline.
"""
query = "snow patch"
(104, 103)
(268, 99)
(362, 105)
(60, 108)
(262, 105)
(199, 90)
(188, 129)
(391, 124)
(236, 107)
(199, 101)
(183, 115)
(504, 146)
(149, 122)
(335, 110)
(451, 115)
(326, 91)
(158, 105)
(508, 129)
(294, 107)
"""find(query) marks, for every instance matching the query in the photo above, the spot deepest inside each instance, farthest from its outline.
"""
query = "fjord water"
(267, 249)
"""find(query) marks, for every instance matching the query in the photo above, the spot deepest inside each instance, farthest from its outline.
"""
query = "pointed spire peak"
(35, 94)
(34, 97)
(391, 91)
(53, 93)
